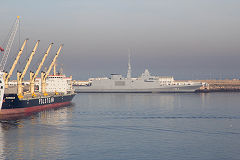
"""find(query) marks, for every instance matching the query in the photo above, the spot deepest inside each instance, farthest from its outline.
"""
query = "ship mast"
(129, 68)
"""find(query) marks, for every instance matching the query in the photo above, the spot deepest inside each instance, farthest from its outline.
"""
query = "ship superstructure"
(143, 84)
(56, 84)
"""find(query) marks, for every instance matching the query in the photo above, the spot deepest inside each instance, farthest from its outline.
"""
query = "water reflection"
(149, 102)
(56, 117)
(22, 137)
(178, 105)
(2, 143)
(130, 99)
(103, 126)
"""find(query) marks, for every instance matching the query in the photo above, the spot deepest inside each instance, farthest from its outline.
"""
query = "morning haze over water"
(193, 39)
(186, 39)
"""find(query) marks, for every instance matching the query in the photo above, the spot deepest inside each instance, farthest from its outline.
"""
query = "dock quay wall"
(220, 85)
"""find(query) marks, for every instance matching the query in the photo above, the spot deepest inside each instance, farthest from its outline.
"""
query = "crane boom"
(20, 75)
(53, 61)
(34, 75)
(14, 64)
(29, 60)
(54, 68)
(44, 75)
(43, 60)
(9, 44)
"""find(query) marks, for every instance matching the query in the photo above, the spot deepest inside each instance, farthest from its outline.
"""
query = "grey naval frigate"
(143, 84)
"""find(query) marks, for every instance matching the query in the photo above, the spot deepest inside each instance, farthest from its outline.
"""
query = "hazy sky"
(184, 38)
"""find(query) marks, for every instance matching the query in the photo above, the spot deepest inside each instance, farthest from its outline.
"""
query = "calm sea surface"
(129, 126)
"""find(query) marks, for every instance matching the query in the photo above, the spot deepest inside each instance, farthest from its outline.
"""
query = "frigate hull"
(166, 89)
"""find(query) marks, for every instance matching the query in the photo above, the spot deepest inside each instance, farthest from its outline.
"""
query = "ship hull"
(12, 105)
(167, 89)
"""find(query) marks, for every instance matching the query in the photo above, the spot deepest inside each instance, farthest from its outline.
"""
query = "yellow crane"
(8, 75)
(20, 75)
(54, 69)
(34, 75)
(44, 75)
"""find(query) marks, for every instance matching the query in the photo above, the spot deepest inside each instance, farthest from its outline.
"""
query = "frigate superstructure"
(143, 84)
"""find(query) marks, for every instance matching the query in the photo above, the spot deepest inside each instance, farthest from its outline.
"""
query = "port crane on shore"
(5, 53)
(9, 45)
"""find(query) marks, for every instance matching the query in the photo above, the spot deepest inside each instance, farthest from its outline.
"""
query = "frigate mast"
(129, 68)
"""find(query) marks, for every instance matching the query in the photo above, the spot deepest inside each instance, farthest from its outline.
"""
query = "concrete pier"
(226, 85)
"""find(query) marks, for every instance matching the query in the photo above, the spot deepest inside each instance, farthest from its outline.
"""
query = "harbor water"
(114, 126)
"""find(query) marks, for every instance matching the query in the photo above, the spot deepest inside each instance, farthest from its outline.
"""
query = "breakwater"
(220, 85)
